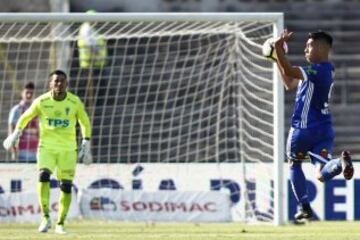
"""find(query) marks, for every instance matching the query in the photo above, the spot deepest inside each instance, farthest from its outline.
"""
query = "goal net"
(181, 102)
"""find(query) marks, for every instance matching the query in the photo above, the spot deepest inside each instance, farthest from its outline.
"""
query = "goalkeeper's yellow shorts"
(64, 162)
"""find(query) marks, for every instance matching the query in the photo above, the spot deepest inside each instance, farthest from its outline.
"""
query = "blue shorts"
(319, 140)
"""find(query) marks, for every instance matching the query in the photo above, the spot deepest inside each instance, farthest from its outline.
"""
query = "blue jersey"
(313, 96)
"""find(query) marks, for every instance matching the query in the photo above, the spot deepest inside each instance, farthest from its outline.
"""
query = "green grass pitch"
(99, 230)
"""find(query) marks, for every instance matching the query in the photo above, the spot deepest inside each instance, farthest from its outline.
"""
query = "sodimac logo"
(106, 204)
(21, 210)
(102, 203)
(156, 206)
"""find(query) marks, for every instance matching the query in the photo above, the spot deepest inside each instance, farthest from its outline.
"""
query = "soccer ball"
(268, 49)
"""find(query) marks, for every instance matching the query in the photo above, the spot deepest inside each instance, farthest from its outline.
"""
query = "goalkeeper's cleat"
(348, 169)
(304, 213)
(45, 225)
(59, 229)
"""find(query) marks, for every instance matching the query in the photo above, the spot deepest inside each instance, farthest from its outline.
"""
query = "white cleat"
(59, 229)
(45, 225)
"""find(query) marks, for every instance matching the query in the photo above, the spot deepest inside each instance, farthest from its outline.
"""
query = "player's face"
(58, 84)
(27, 95)
(311, 51)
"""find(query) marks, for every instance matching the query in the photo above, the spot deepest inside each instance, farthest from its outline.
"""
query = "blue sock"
(298, 183)
(331, 169)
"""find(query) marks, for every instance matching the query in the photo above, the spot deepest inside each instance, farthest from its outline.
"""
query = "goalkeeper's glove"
(12, 140)
(85, 152)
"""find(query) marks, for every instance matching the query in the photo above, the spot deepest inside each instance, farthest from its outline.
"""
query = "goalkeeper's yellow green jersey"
(57, 121)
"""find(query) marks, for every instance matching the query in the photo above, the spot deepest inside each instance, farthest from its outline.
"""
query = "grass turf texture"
(84, 229)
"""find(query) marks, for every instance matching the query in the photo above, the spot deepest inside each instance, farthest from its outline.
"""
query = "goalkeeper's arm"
(85, 151)
(13, 139)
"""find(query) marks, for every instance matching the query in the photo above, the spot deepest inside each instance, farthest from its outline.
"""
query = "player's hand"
(85, 152)
(12, 140)
(284, 37)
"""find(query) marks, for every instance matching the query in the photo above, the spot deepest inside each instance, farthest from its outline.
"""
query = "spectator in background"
(26, 150)
(92, 79)
(92, 60)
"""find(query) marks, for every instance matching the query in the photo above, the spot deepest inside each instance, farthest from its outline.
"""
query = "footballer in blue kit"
(311, 135)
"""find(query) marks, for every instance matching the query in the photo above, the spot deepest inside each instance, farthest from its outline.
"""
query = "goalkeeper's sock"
(44, 197)
(64, 205)
(331, 169)
(298, 183)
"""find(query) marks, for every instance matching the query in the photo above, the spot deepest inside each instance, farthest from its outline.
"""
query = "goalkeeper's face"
(58, 84)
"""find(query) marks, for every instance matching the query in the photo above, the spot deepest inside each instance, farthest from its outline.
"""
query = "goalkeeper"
(311, 135)
(58, 111)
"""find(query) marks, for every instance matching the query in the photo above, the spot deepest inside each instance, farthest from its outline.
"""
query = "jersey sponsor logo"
(311, 71)
(54, 122)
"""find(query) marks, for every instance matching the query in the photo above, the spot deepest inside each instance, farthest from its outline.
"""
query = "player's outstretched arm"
(13, 139)
(85, 148)
(289, 82)
(84, 122)
(290, 75)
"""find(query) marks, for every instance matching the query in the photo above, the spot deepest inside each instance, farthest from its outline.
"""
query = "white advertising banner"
(165, 206)
(337, 199)
(24, 207)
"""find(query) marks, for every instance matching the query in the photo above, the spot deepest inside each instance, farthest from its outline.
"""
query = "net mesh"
(169, 92)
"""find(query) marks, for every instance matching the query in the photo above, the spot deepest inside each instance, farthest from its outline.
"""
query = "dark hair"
(29, 85)
(322, 36)
(57, 72)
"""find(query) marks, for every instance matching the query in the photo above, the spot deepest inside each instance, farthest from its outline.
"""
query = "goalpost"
(185, 97)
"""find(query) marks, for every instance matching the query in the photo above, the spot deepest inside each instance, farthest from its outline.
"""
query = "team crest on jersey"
(67, 110)
(57, 113)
